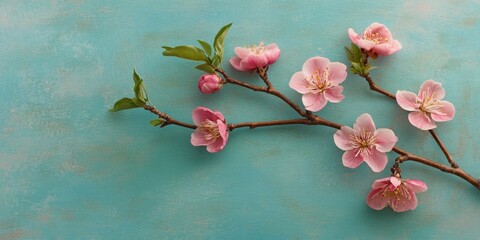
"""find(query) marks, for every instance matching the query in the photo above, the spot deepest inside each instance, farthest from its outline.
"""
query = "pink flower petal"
(242, 52)
(381, 183)
(272, 52)
(342, 138)
(334, 94)
(376, 160)
(197, 138)
(364, 122)
(395, 47)
(395, 182)
(385, 139)
(379, 28)
(216, 146)
(421, 120)
(235, 62)
(445, 113)
(382, 49)
(298, 83)
(366, 44)
(429, 88)
(337, 72)
(219, 116)
(350, 160)
(407, 100)
(254, 61)
(376, 200)
(416, 185)
(223, 130)
(315, 64)
(314, 102)
(353, 36)
(200, 114)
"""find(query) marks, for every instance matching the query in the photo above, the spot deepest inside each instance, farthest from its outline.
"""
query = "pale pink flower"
(253, 57)
(365, 143)
(319, 82)
(428, 107)
(376, 39)
(395, 192)
(212, 130)
(210, 83)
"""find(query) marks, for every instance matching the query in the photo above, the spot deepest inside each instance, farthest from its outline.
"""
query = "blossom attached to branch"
(375, 40)
(427, 107)
(319, 82)
(255, 56)
(212, 130)
(365, 143)
(397, 193)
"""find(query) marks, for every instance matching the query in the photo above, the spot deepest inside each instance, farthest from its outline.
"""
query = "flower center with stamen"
(257, 49)
(318, 83)
(210, 130)
(364, 141)
(429, 103)
(375, 37)
(400, 195)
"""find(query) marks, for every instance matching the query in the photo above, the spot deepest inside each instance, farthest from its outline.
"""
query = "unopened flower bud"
(209, 83)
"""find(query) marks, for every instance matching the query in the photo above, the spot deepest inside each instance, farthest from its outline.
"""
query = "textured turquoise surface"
(69, 169)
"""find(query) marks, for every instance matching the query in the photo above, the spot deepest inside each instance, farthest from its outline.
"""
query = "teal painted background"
(71, 170)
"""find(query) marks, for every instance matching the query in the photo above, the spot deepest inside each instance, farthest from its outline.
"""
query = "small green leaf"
(139, 89)
(206, 47)
(219, 40)
(215, 60)
(156, 122)
(185, 52)
(122, 104)
(206, 68)
(357, 67)
(138, 102)
(349, 54)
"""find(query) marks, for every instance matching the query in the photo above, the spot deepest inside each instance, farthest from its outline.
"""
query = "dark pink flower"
(428, 107)
(376, 39)
(395, 192)
(212, 130)
(365, 143)
(253, 57)
(210, 83)
(319, 82)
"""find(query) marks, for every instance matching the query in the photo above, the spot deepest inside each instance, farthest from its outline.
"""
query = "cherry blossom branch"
(167, 119)
(269, 90)
(312, 119)
(444, 149)
(376, 88)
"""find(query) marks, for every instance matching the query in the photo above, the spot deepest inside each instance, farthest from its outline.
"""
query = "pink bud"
(209, 83)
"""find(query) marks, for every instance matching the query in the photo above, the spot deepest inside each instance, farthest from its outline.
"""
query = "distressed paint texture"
(71, 170)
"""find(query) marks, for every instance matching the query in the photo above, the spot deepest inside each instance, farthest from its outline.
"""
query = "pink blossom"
(395, 192)
(428, 107)
(210, 83)
(212, 130)
(319, 82)
(253, 57)
(365, 143)
(376, 39)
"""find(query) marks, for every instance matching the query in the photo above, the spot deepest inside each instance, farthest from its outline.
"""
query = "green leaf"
(206, 68)
(156, 122)
(122, 104)
(219, 40)
(139, 89)
(357, 67)
(349, 54)
(185, 52)
(216, 60)
(138, 102)
(206, 47)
